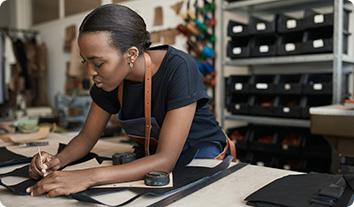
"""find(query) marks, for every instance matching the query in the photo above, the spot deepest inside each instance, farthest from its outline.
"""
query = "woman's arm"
(80, 145)
(173, 134)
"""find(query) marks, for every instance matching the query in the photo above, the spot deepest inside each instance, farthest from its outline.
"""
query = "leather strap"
(147, 101)
(229, 145)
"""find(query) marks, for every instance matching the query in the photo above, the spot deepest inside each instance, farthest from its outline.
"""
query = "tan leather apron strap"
(147, 102)
(230, 145)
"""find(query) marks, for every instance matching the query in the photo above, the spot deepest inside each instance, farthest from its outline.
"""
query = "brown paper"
(169, 36)
(42, 133)
(158, 16)
(70, 35)
(155, 37)
(177, 7)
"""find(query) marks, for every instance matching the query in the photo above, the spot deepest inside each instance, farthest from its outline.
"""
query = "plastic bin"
(289, 24)
(237, 104)
(237, 29)
(238, 48)
(262, 105)
(258, 26)
(315, 19)
(291, 44)
(319, 84)
(238, 84)
(291, 84)
(264, 84)
(291, 106)
(264, 46)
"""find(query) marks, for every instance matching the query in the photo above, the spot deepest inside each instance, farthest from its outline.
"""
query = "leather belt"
(147, 101)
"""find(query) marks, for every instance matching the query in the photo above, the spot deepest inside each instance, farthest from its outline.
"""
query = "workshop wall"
(53, 33)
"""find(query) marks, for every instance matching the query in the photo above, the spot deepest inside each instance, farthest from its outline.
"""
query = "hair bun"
(147, 41)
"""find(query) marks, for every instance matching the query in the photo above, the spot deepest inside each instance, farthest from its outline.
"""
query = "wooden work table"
(229, 191)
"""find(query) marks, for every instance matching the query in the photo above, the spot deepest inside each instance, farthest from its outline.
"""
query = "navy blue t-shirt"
(176, 83)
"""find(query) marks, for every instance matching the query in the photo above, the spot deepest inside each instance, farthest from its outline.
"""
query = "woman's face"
(106, 65)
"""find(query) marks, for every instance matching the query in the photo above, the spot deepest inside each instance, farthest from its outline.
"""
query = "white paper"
(236, 50)
(238, 86)
(317, 86)
(290, 47)
(237, 29)
(291, 24)
(262, 86)
(287, 86)
(264, 49)
(318, 43)
(261, 26)
(318, 19)
(286, 109)
(237, 106)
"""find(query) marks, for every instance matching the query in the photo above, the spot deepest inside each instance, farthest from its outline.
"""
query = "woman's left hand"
(61, 183)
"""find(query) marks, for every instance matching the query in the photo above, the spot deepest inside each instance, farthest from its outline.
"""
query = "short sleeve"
(185, 86)
(108, 101)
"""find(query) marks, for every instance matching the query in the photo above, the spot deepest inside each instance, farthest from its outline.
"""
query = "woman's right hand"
(43, 165)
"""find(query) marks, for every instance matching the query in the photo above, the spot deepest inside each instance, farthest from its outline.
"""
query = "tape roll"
(156, 178)
(122, 158)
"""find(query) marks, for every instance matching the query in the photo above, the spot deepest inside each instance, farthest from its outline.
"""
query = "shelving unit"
(337, 63)
(337, 58)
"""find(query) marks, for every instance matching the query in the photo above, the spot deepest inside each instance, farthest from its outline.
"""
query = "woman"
(114, 45)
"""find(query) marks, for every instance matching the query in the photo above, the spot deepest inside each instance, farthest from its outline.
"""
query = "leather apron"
(145, 130)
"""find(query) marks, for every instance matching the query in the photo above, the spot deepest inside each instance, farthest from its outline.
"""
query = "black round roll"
(156, 178)
(122, 158)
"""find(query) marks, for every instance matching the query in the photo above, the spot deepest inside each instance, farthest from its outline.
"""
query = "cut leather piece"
(297, 191)
(20, 188)
(183, 176)
(8, 158)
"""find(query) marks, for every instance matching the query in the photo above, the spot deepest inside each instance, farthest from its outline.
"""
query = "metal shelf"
(281, 60)
(270, 121)
(287, 59)
(272, 5)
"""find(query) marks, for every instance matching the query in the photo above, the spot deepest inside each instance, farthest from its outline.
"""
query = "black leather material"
(182, 176)
(9, 158)
(301, 191)
(20, 188)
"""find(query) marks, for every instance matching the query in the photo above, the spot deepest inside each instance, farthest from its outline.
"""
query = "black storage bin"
(237, 104)
(321, 83)
(262, 105)
(240, 136)
(291, 106)
(264, 46)
(318, 153)
(291, 84)
(264, 84)
(258, 26)
(237, 29)
(290, 44)
(321, 41)
(263, 139)
(289, 24)
(238, 84)
(290, 142)
(314, 101)
(238, 48)
(315, 19)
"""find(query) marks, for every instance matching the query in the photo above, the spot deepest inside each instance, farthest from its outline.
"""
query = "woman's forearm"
(77, 148)
(131, 171)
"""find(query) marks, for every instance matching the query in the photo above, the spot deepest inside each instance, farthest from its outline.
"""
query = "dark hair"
(127, 28)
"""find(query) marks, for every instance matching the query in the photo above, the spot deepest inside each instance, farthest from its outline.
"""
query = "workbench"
(228, 191)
